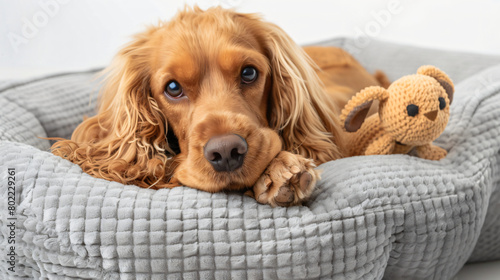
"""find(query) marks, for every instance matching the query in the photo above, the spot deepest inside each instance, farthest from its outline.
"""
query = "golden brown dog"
(218, 100)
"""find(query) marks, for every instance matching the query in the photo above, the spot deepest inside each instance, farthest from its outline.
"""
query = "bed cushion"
(370, 217)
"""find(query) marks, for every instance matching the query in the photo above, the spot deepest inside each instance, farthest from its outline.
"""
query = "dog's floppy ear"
(297, 106)
(440, 76)
(126, 140)
(355, 111)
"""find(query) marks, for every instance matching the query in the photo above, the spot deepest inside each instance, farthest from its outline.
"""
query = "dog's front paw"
(288, 180)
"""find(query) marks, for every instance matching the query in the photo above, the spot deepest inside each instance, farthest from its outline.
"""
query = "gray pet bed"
(392, 217)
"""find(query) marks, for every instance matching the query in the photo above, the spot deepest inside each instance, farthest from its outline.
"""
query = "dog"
(218, 100)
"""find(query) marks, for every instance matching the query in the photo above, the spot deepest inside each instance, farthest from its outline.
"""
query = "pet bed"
(372, 217)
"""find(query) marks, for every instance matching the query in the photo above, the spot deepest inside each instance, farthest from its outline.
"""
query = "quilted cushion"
(370, 217)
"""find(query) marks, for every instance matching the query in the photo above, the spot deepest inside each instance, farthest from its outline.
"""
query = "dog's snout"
(226, 152)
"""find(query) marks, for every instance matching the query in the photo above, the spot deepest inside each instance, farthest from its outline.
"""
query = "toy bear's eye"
(412, 110)
(442, 103)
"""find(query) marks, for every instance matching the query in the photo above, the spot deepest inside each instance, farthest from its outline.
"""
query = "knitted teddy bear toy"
(412, 113)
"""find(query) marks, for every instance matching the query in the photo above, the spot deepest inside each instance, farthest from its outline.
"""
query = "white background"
(48, 36)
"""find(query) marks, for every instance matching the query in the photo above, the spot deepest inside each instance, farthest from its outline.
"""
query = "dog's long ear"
(354, 113)
(440, 76)
(297, 106)
(126, 140)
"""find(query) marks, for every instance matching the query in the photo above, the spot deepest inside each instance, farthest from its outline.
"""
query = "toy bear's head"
(414, 110)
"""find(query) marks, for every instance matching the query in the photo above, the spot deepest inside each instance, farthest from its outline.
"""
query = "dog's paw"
(288, 180)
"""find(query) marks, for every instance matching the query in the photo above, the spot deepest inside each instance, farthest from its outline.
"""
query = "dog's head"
(206, 100)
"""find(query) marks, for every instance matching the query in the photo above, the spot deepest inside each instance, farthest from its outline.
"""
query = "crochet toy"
(413, 112)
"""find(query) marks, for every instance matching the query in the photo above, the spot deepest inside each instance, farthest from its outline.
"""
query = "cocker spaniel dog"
(218, 100)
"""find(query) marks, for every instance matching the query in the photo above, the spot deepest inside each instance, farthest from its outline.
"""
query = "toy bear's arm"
(383, 145)
(431, 152)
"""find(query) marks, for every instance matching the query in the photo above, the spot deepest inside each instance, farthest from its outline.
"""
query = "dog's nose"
(432, 115)
(226, 152)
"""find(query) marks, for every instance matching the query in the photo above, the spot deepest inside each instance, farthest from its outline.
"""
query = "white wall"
(47, 36)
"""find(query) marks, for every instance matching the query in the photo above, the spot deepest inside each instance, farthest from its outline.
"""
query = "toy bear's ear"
(440, 76)
(355, 111)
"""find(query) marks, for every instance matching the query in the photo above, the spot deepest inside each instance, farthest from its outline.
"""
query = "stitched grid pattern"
(19, 125)
(370, 217)
(83, 227)
(59, 102)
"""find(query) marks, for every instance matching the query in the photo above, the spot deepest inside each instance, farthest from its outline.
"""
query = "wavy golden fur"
(288, 116)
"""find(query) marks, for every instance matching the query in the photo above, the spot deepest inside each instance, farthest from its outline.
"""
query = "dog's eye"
(442, 103)
(412, 110)
(248, 75)
(173, 89)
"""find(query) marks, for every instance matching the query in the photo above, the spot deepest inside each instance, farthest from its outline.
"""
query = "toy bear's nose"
(432, 115)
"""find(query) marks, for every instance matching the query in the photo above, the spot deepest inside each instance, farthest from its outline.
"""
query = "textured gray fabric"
(488, 246)
(19, 125)
(58, 102)
(373, 217)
